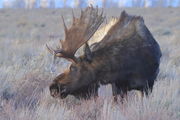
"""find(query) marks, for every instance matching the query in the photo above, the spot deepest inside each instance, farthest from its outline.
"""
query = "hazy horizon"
(84, 3)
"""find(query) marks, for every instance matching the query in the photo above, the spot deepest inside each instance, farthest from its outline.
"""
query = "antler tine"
(96, 10)
(73, 16)
(65, 28)
(60, 41)
(57, 52)
(81, 13)
(50, 49)
(91, 5)
(101, 13)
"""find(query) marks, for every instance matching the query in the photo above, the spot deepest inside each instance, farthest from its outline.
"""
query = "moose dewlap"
(127, 56)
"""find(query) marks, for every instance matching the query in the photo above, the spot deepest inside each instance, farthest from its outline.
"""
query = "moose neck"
(97, 65)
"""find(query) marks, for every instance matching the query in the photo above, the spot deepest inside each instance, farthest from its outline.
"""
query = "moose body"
(128, 64)
(128, 57)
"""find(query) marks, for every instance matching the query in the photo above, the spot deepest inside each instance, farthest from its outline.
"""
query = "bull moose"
(127, 57)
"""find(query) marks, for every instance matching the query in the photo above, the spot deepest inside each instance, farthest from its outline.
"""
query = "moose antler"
(80, 32)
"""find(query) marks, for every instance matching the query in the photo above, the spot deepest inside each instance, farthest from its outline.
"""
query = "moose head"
(77, 76)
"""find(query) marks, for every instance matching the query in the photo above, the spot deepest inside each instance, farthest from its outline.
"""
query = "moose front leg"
(87, 92)
(114, 91)
(119, 91)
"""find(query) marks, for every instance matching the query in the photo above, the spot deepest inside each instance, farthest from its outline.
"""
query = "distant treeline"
(84, 3)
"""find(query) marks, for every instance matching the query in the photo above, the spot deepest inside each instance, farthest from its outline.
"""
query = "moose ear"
(88, 53)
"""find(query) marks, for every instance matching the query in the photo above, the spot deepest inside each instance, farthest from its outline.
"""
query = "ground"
(26, 69)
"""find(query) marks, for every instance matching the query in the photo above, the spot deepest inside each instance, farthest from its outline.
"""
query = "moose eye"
(73, 68)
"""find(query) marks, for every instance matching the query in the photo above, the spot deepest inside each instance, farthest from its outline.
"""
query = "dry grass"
(26, 70)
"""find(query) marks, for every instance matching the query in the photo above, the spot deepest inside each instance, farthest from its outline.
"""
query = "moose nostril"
(54, 92)
(54, 89)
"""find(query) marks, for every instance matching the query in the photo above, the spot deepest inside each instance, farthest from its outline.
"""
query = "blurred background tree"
(84, 3)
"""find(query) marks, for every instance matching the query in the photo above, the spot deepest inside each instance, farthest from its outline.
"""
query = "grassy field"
(26, 69)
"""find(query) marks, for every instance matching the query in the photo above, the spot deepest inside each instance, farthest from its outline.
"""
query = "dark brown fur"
(128, 57)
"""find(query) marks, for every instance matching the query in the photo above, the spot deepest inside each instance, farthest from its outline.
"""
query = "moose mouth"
(54, 93)
(57, 92)
(54, 90)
